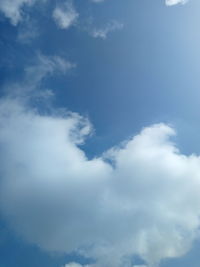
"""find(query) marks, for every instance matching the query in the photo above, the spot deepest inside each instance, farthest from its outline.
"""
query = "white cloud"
(175, 2)
(141, 197)
(145, 202)
(12, 9)
(65, 15)
(104, 31)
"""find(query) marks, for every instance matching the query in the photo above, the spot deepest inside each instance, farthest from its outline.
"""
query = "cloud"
(175, 2)
(104, 31)
(13, 9)
(141, 197)
(74, 264)
(45, 65)
(65, 15)
(35, 74)
(27, 32)
(97, 1)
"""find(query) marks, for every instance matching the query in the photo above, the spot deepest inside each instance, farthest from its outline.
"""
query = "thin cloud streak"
(104, 31)
(175, 2)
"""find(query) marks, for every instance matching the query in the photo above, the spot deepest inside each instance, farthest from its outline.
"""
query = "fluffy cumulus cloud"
(141, 197)
(65, 15)
(175, 2)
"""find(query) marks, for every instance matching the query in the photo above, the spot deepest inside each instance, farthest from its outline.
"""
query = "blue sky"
(99, 139)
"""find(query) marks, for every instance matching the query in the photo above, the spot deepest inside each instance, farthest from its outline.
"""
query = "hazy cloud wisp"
(104, 31)
(175, 2)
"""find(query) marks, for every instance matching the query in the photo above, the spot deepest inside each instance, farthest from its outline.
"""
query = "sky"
(99, 133)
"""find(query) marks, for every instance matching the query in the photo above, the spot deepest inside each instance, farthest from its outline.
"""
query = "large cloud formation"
(142, 197)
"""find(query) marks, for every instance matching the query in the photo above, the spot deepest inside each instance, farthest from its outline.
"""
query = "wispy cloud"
(97, 1)
(175, 2)
(28, 31)
(104, 31)
(65, 15)
(12, 9)
(35, 73)
(75, 264)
